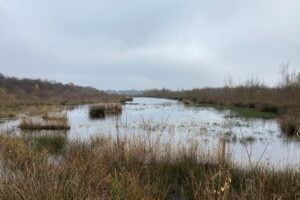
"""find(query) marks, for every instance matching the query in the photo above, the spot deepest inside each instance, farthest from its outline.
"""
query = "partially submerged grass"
(102, 110)
(239, 111)
(97, 111)
(129, 169)
(250, 113)
(229, 137)
(290, 124)
(247, 140)
(126, 99)
(54, 143)
(48, 121)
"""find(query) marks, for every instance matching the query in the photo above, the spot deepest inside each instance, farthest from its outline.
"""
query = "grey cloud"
(145, 44)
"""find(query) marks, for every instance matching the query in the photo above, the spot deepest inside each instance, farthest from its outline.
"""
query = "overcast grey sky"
(124, 44)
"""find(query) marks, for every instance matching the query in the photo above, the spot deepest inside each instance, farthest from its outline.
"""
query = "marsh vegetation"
(153, 149)
(48, 121)
(172, 121)
(30, 95)
(252, 99)
(102, 110)
(103, 168)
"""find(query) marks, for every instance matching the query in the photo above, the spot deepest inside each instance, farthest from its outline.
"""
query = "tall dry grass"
(48, 121)
(103, 168)
(103, 110)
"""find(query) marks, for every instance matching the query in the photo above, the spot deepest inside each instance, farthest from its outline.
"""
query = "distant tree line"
(28, 91)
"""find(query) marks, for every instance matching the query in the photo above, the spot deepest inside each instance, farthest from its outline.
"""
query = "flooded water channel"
(250, 141)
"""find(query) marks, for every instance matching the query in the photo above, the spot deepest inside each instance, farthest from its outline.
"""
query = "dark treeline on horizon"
(29, 91)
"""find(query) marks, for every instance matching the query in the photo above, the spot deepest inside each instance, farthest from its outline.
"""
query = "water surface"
(251, 141)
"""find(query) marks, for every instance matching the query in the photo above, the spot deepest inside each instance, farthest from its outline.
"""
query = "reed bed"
(102, 110)
(105, 168)
(48, 121)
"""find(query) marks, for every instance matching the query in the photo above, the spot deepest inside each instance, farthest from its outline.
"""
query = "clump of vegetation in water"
(229, 137)
(290, 125)
(57, 121)
(129, 169)
(102, 110)
(247, 139)
(126, 99)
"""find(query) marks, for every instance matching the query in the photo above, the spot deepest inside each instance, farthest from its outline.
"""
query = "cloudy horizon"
(149, 44)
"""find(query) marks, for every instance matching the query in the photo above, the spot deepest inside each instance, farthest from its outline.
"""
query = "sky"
(139, 44)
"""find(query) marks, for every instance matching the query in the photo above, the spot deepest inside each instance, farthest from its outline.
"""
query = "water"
(252, 141)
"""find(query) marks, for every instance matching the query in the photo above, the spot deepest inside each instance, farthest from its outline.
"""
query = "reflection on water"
(169, 121)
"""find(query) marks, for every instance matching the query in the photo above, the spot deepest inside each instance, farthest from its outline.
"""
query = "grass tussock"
(126, 99)
(48, 121)
(102, 110)
(129, 169)
(290, 124)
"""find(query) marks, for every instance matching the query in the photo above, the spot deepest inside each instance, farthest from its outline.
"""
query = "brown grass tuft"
(102, 110)
(48, 121)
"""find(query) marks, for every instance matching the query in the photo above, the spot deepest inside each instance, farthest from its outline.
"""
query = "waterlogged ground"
(169, 122)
